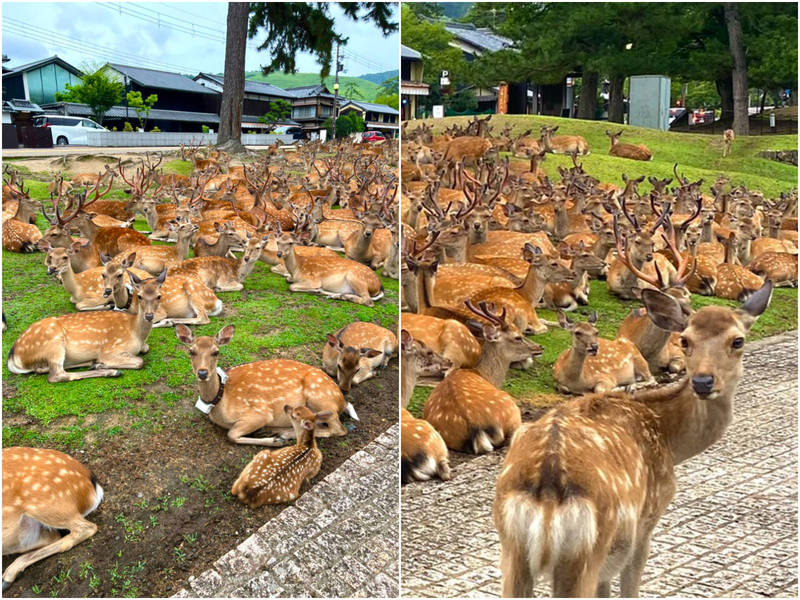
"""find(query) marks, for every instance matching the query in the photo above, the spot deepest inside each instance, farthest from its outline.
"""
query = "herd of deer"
(486, 242)
(324, 218)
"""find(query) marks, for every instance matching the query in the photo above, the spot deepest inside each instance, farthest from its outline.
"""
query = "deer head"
(584, 334)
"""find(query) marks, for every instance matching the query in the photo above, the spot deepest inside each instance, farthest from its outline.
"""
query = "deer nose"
(148, 316)
(106, 292)
(649, 257)
(202, 374)
(279, 254)
(703, 384)
(593, 349)
(51, 270)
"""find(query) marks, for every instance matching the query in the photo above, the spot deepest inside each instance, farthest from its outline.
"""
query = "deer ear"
(755, 305)
(134, 279)
(406, 339)
(333, 340)
(75, 247)
(183, 333)
(593, 317)
(129, 260)
(370, 352)
(663, 310)
(44, 246)
(225, 335)
(161, 276)
(324, 414)
(490, 333)
(104, 258)
(564, 322)
(217, 226)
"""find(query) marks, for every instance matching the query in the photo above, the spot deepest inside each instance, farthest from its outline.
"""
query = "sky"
(185, 37)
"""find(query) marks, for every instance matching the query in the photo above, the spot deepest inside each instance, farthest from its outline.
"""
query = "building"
(411, 85)
(39, 81)
(311, 106)
(377, 117)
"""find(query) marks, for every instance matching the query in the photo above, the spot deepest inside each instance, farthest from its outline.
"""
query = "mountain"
(368, 89)
(379, 78)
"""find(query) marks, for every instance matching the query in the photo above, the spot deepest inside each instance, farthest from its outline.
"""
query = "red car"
(372, 136)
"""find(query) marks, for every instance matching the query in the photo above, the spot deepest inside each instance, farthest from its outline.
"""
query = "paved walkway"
(730, 531)
(58, 151)
(339, 539)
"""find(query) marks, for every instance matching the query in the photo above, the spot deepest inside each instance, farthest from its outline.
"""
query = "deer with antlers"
(582, 488)
(246, 398)
(227, 240)
(467, 408)
(356, 352)
(44, 493)
(104, 340)
(155, 259)
(423, 453)
(20, 233)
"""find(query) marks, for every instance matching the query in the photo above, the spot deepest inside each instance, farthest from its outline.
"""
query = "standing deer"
(582, 488)
(251, 396)
(423, 451)
(727, 141)
(275, 476)
(104, 340)
(44, 491)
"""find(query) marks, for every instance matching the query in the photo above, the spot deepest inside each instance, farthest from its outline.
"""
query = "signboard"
(444, 80)
(438, 111)
(323, 135)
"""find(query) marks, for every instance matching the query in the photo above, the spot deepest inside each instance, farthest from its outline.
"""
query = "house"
(311, 106)
(411, 85)
(377, 117)
(39, 81)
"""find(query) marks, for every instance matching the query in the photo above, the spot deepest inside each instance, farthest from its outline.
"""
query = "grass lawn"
(698, 156)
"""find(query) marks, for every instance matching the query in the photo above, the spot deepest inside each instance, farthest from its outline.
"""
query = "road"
(731, 529)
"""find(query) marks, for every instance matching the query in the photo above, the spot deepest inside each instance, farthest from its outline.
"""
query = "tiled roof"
(482, 38)
(372, 107)
(161, 79)
(406, 52)
(253, 87)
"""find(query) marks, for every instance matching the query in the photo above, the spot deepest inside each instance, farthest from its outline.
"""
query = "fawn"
(417, 359)
(582, 488)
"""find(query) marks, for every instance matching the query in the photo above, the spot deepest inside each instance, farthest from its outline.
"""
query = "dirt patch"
(167, 512)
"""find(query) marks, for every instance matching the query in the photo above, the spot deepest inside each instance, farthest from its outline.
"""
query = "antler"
(623, 256)
(488, 313)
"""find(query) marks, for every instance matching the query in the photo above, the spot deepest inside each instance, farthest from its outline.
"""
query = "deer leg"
(631, 575)
(575, 577)
(59, 375)
(119, 361)
(229, 287)
(79, 530)
(237, 434)
(517, 577)
(641, 370)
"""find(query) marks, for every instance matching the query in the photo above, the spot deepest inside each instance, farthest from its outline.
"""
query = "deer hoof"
(6, 584)
(116, 373)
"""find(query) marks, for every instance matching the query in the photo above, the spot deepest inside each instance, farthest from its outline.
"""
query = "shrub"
(127, 127)
(204, 128)
(155, 130)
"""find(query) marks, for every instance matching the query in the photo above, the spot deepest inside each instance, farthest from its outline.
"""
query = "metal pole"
(335, 93)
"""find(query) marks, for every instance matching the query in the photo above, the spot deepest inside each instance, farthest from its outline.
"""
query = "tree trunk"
(741, 118)
(616, 100)
(725, 91)
(763, 100)
(230, 116)
(587, 105)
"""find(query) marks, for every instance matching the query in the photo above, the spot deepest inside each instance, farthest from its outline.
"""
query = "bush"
(204, 128)
(155, 130)
(114, 128)
(127, 127)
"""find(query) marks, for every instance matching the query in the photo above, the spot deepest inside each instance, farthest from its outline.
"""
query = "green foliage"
(392, 100)
(352, 91)
(97, 89)
(389, 86)
(204, 128)
(127, 126)
(141, 106)
(155, 130)
(368, 89)
(279, 110)
(347, 123)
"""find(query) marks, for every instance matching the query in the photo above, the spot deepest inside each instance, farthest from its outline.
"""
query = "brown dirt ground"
(184, 485)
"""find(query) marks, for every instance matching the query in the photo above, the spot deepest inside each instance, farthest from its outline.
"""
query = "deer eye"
(738, 343)
(684, 343)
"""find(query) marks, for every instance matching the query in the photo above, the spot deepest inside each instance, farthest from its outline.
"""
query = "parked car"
(372, 136)
(67, 130)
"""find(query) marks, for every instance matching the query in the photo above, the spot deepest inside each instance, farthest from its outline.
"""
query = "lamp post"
(336, 92)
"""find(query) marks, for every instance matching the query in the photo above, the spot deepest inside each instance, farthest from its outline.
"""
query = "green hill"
(368, 89)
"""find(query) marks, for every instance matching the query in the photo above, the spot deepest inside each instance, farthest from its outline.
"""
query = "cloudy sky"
(186, 37)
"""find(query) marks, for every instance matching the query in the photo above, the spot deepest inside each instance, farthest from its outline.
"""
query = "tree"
(278, 111)
(290, 27)
(349, 123)
(388, 87)
(97, 90)
(141, 107)
(741, 117)
(392, 100)
(351, 91)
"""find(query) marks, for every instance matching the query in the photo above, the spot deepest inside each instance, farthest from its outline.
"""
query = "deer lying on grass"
(337, 277)
(569, 294)
(467, 408)
(58, 236)
(227, 240)
(275, 476)
(220, 273)
(20, 233)
(44, 491)
(86, 289)
(727, 141)
(251, 396)
(594, 364)
(356, 352)
(583, 487)
(104, 340)
(778, 267)
(184, 299)
(631, 151)
(735, 282)
(417, 360)
(155, 259)
(423, 451)
(563, 144)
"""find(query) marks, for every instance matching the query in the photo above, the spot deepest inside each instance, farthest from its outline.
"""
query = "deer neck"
(306, 439)
(425, 287)
(209, 388)
(290, 261)
(408, 377)
(493, 366)
(532, 288)
(707, 236)
(652, 339)
(689, 425)
(774, 228)
(744, 250)
(142, 326)
(561, 225)
(88, 229)
(182, 246)
(68, 279)
(362, 245)
(573, 366)
(125, 299)
(413, 215)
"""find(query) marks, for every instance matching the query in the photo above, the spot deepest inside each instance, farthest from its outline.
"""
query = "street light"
(629, 45)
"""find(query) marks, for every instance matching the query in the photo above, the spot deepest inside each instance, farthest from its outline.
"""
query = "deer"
(247, 397)
(107, 240)
(778, 267)
(276, 476)
(335, 277)
(44, 492)
(467, 147)
(448, 338)
(562, 144)
(356, 352)
(467, 408)
(418, 361)
(184, 299)
(727, 141)
(423, 451)
(58, 236)
(227, 240)
(594, 364)
(220, 273)
(630, 151)
(155, 259)
(582, 488)
(735, 282)
(569, 294)
(107, 341)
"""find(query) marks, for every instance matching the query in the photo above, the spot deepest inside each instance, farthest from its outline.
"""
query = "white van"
(67, 130)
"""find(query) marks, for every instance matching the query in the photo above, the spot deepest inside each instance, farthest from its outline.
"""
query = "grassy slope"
(698, 156)
(367, 88)
(270, 321)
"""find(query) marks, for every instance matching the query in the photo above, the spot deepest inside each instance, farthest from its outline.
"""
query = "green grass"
(536, 385)
(271, 322)
(368, 89)
(698, 156)
(179, 167)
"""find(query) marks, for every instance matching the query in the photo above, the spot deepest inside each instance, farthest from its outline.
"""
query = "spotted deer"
(418, 360)
(44, 492)
(562, 144)
(155, 259)
(228, 239)
(631, 151)
(448, 338)
(58, 236)
(276, 476)
(727, 141)
(106, 341)
(735, 282)
(247, 397)
(467, 408)
(569, 294)
(423, 453)
(778, 267)
(582, 488)
(356, 352)
(594, 364)
(20, 233)
(220, 273)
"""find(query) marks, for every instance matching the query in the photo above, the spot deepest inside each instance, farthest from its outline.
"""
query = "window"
(304, 112)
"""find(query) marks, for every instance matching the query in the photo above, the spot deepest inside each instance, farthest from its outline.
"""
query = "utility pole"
(336, 92)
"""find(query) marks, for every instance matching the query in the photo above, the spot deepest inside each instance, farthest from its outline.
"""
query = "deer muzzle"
(107, 292)
(148, 316)
(703, 385)
(202, 374)
(592, 350)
